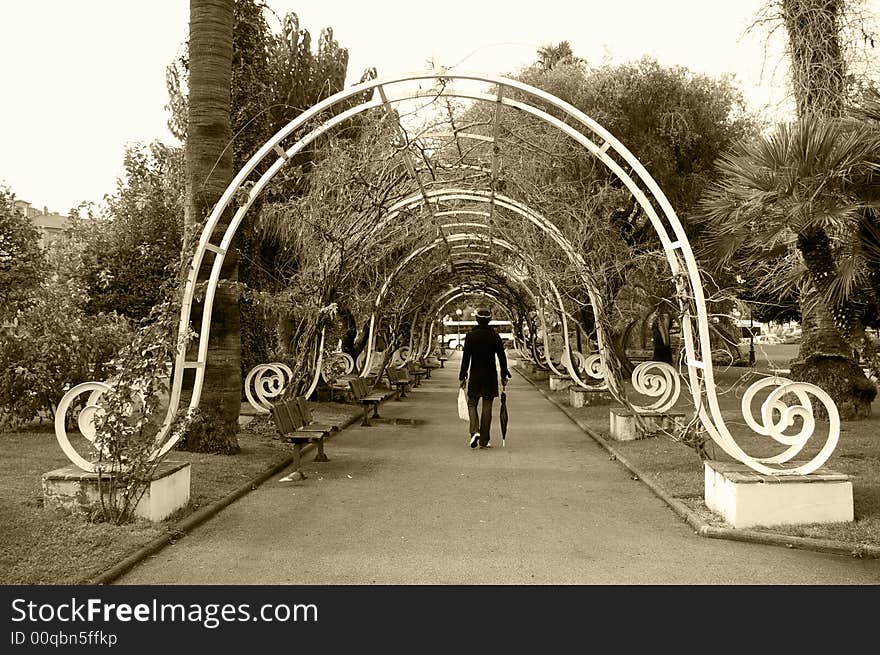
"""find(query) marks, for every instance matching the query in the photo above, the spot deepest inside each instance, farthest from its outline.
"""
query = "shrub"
(53, 347)
(22, 262)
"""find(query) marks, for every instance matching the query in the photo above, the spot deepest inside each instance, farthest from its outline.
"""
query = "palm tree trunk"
(209, 171)
(818, 68)
(825, 358)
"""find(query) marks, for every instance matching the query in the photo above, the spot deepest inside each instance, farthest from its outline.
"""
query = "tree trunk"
(825, 359)
(818, 74)
(817, 65)
(209, 171)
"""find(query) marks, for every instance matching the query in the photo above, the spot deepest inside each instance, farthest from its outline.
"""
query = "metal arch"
(508, 203)
(423, 249)
(431, 315)
(566, 359)
(319, 362)
(400, 267)
(459, 292)
(460, 194)
(406, 155)
(502, 288)
(483, 265)
(472, 195)
(452, 238)
(535, 218)
(691, 298)
(546, 331)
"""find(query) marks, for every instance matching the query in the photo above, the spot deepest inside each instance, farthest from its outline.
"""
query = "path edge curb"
(199, 517)
(699, 526)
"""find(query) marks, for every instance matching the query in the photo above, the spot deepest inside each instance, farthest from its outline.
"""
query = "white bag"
(462, 405)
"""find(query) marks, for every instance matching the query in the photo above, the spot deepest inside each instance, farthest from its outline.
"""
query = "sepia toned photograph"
(300, 294)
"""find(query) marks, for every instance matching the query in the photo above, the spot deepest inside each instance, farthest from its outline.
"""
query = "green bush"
(53, 347)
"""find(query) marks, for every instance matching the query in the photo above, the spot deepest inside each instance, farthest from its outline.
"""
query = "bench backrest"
(286, 416)
(305, 411)
(398, 374)
(358, 387)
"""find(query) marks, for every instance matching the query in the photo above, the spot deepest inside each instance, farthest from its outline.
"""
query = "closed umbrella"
(503, 414)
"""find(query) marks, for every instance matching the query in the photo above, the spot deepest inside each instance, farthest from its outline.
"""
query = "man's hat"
(484, 312)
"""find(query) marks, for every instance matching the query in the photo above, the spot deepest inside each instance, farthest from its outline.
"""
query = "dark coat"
(481, 345)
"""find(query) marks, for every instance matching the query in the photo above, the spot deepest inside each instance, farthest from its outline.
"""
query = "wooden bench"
(361, 394)
(416, 371)
(640, 355)
(340, 386)
(442, 359)
(290, 424)
(399, 379)
(429, 364)
(309, 423)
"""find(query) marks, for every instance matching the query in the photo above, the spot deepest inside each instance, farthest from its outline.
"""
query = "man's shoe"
(488, 444)
(475, 439)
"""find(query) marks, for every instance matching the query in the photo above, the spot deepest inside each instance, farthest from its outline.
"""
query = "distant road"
(769, 356)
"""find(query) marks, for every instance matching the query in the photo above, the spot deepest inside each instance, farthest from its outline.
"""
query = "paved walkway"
(412, 504)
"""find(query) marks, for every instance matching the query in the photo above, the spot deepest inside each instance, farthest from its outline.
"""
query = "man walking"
(481, 345)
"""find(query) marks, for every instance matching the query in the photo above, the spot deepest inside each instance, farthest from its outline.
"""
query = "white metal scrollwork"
(264, 383)
(336, 364)
(658, 380)
(594, 369)
(779, 416)
(85, 420)
(399, 357)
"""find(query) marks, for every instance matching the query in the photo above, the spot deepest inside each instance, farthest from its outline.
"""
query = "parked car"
(768, 339)
(792, 337)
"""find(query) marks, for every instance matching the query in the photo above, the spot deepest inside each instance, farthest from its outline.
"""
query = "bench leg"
(376, 410)
(297, 461)
(428, 375)
(366, 421)
(320, 456)
(399, 395)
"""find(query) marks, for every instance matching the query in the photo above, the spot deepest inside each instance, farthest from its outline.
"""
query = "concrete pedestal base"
(746, 498)
(558, 382)
(539, 373)
(74, 490)
(623, 425)
(580, 397)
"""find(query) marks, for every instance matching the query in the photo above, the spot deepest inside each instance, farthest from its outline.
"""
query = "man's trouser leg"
(474, 417)
(486, 421)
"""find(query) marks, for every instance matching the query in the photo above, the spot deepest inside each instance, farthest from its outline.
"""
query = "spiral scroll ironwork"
(779, 416)
(399, 357)
(266, 382)
(336, 364)
(575, 359)
(594, 369)
(658, 380)
(85, 420)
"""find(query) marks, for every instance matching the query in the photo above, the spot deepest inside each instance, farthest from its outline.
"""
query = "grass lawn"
(41, 546)
(678, 470)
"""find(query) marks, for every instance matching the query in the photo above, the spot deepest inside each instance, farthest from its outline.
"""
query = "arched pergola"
(457, 204)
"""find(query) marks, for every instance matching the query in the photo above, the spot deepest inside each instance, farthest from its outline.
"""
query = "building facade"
(51, 224)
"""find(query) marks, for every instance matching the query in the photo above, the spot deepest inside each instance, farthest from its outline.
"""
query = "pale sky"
(83, 77)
